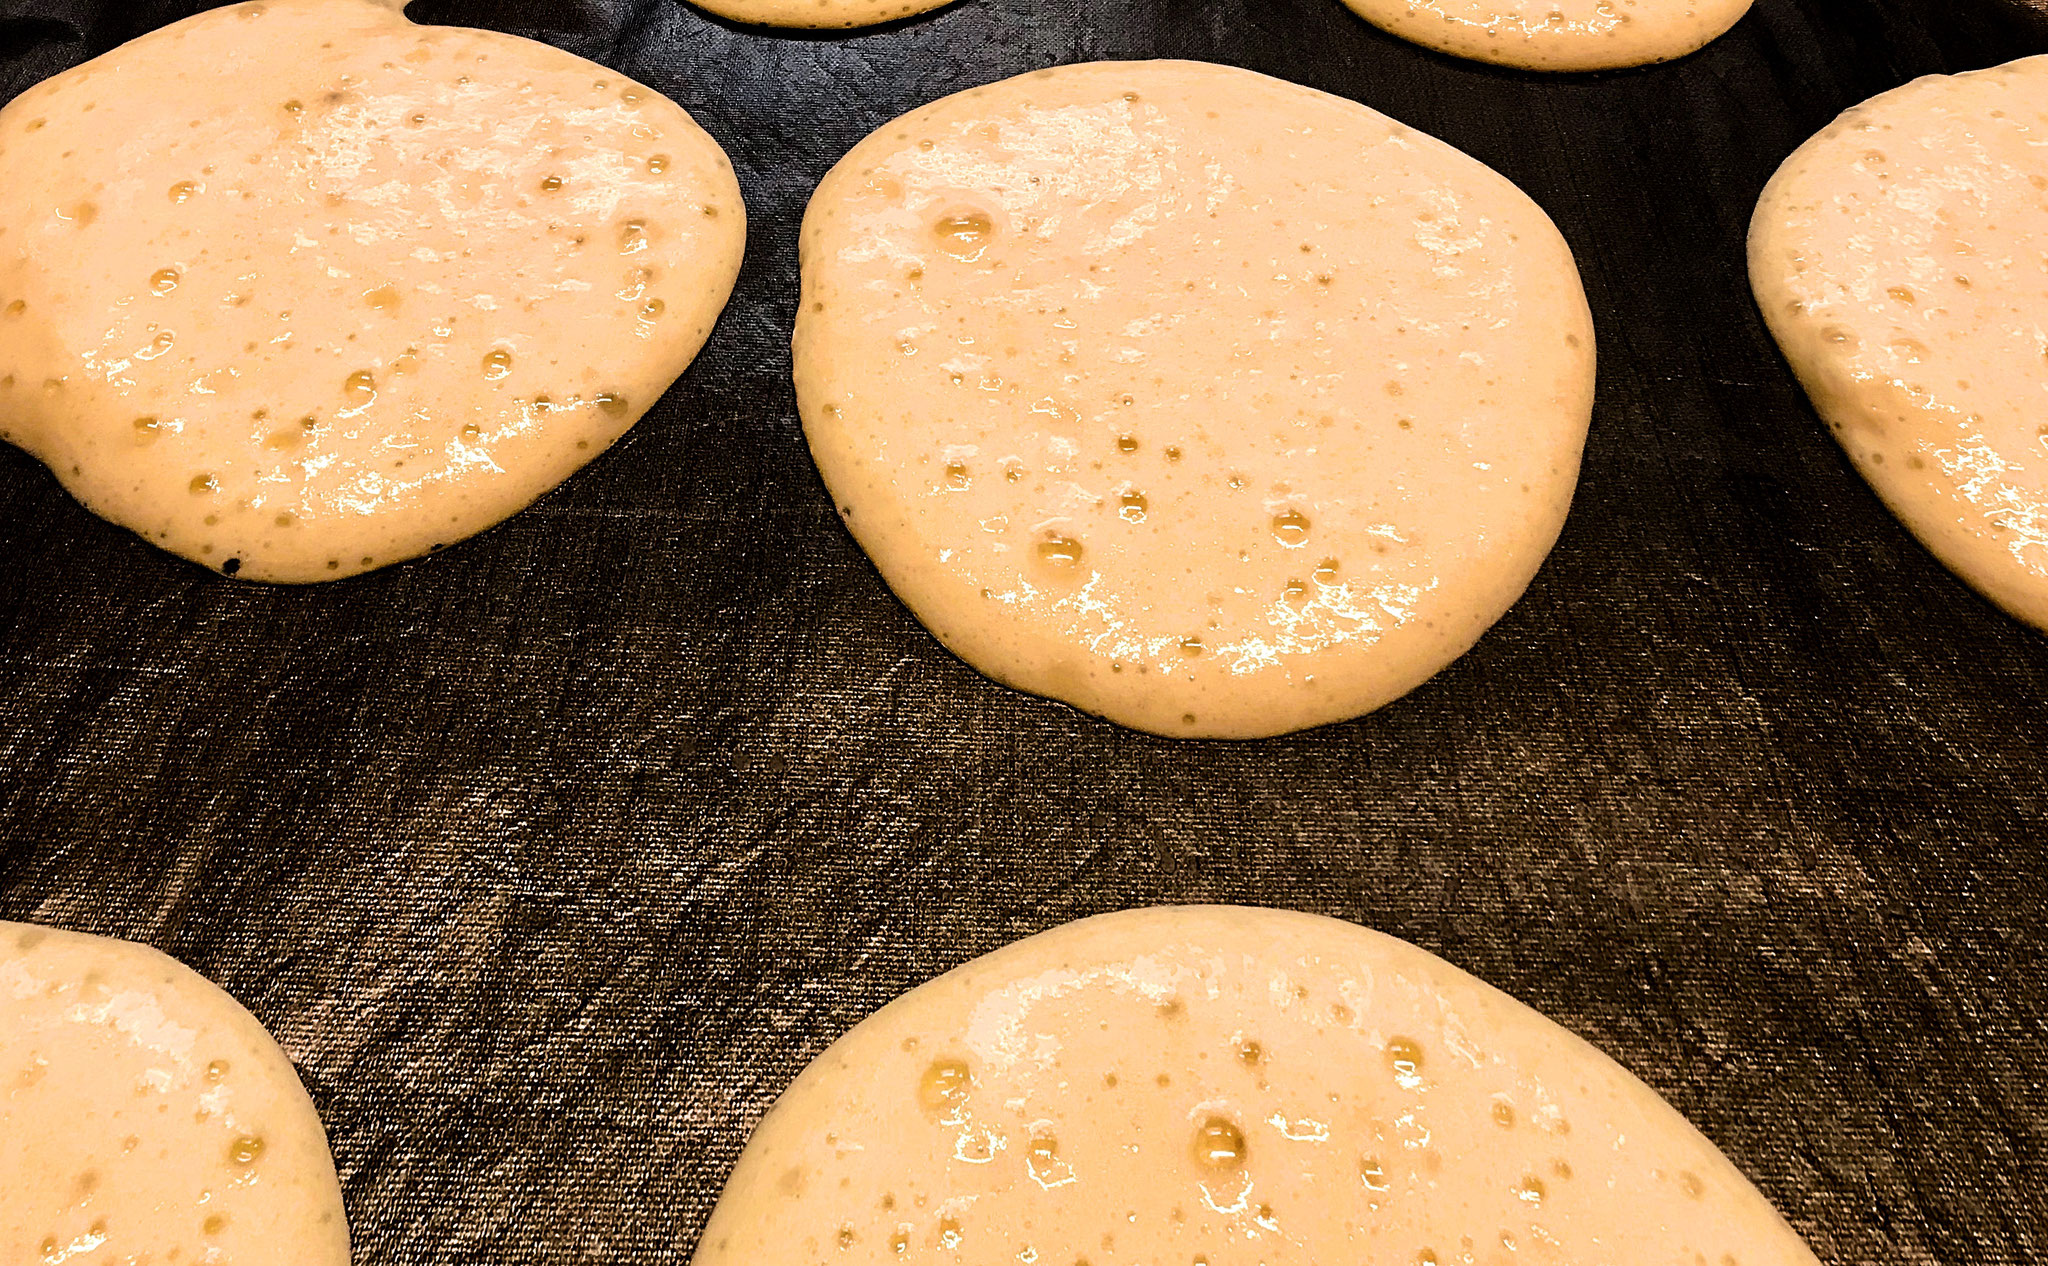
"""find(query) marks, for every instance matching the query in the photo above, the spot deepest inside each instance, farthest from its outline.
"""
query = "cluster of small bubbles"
(1427, 1257)
(943, 1086)
(949, 1232)
(497, 364)
(964, 234)
(1530, 1190)
(164, 281)
(846, 1237)
(1131, 507)
(1059, 550)
(1250, 1052)
(1290, 528)
(1404, 1058)
(1219, 1144)
(245, 1150)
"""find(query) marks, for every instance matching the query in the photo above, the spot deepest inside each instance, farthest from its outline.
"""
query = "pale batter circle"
(296, 288)
(1557, 35)
(1223, 1085)
(1900, 257)
(1206, 402)
(148, 1118)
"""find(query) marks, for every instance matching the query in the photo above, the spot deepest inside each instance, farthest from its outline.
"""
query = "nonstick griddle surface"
(550, 859)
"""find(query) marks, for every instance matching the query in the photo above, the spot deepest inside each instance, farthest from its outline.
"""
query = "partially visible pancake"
(1557, 34)
(818, 13)
(1222, 1086)
(296, 288)
(1900, 258)
(145, 1117)
(1203, 401)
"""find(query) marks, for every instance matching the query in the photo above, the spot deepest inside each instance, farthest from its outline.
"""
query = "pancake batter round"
(1557, 35)
(149, 1118)
(1227, 1086)
(1900, 257)
(296, 288)
(1216, 422)
(818, 14)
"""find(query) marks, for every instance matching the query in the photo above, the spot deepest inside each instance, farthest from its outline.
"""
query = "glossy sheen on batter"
(297, 288)
(818, 13)
(1227, 1087)
(1214, 421)
(1901, 259)
(1557, 34)
(145, 1117)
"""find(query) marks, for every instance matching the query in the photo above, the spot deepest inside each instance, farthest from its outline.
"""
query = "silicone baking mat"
(550, 859)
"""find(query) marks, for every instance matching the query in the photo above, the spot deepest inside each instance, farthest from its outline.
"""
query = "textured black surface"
(550, 859)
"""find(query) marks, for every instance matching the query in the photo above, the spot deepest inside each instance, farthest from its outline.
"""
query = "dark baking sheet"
(550, 859)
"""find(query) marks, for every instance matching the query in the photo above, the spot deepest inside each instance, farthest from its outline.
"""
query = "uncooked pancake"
(297, 288)
(148, 1118)
(1203, 401)
(818, 13)
(1901, 259)
(1557, 34)
(1226, 1086)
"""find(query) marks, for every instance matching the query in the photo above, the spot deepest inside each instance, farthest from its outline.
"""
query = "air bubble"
(164, 281)
(1503, 1114)
(1060, 551)
(652, 310)
(245, 1150)
(359, 390)
(1373, 1174)
(632, 237)
(184, 191)
(610, 403)
(1219, 1144)
(1126, 443)
(553, 184)
(1404, 1058)
(497, 364)
(383, 298)
(1530, 1190)
(147, 430)
(203, 483)
(1326, 572)
(1900, 294)
(1191, 647)
(964, 234)
(956, 476)
(1290, 528)
(1131, 507)
(944, 1086)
